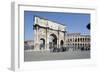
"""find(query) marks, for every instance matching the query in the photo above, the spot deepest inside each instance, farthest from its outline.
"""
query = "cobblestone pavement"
(46, 55)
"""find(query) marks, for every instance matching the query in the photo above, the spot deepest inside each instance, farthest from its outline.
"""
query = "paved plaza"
(47, 55)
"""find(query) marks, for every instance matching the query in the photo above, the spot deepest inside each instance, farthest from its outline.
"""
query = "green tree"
(88, 26)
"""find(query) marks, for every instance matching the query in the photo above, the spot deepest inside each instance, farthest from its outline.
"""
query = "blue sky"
(75, 22)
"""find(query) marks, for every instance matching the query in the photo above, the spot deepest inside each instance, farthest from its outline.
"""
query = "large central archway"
(52, 41)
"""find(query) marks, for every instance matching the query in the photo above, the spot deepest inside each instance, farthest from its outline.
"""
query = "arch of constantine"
(48, 34)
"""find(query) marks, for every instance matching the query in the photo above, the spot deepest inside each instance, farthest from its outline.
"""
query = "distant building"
(28, 45)
(76, 41)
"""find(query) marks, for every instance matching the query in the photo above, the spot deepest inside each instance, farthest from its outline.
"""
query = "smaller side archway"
(61, 43)
(42, 43)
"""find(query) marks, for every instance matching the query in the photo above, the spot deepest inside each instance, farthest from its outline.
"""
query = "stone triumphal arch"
(48, 34)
